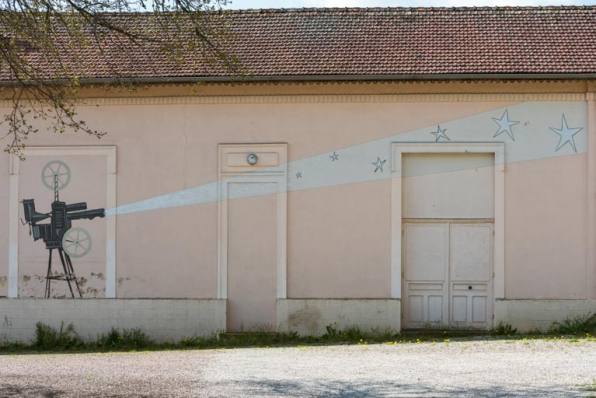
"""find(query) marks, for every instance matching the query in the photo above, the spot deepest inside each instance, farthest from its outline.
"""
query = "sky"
(245, 4)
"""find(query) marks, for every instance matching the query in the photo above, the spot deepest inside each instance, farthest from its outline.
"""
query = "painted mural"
(64, 241)
(59, 234)
(529, 130)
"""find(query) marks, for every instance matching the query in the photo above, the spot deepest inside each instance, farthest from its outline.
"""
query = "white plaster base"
(312, 316)
(160, 319)
(528, 315)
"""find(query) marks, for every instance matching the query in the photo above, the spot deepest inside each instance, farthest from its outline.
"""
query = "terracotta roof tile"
(376, 41)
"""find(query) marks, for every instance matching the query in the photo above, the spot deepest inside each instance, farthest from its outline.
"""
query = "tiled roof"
(418, 41)
(379, 41)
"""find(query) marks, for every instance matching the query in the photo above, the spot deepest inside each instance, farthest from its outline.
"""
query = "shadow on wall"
(385, 389)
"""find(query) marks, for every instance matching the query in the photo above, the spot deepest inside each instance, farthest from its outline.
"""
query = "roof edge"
(290, 78)
(282, 10)
(328, 78)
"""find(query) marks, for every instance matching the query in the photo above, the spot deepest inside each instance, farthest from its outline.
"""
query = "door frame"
(232, 169)
(398, 149)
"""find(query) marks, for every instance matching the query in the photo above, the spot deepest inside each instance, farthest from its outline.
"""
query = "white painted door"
(447, 278)
(470, 275)
(425, 276)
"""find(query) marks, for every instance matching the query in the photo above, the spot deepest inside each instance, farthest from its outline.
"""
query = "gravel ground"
(481, 368)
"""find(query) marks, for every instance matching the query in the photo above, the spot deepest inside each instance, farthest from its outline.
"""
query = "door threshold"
(248, 333)
(442, 332)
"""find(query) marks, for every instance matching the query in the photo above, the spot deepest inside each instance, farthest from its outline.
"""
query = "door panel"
(448, 185)
(459, 311)
(252, 258)
(470, 274)
(416, 308)
(470, 251)
(447, 275)
(479, 313)
(425, 285)
(426, 252)
(435, 309)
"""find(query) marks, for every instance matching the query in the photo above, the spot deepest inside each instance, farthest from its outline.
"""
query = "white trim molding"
(398, 149)
(272, 167)
(591, 235)
(110, 153)
(333, 98)
(326, 98)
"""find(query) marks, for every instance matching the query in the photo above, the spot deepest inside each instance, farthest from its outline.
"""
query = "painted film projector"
(59, 234)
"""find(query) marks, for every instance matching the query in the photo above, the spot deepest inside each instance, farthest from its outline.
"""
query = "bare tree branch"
(48, 46)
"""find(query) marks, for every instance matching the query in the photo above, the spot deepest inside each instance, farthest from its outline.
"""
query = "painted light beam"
(535, 125)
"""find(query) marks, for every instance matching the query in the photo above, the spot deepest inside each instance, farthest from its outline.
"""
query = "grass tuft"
(578, 325)
(590, 388)
(504, 329)
(130, 339)
(136, 338)
(47, 337)
(111, 339)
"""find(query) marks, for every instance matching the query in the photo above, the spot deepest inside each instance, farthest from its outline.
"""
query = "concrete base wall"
(160, 319)
(528, 315)
(174, 319)
(312, 316)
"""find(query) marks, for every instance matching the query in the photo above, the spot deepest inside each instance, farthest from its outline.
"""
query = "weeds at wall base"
(48, 338)
(66, 339)
(578, 325)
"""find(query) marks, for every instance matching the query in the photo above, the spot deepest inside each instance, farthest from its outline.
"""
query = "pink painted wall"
(338, 241)
(338, 237)
(546, 223)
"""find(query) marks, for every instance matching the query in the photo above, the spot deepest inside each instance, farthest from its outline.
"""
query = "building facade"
(394, 203)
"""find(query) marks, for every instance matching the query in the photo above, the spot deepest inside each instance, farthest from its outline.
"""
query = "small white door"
(426, 249)
(470, 275)
(447, 279)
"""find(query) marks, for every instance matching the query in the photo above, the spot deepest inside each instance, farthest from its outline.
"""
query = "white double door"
(447, 275)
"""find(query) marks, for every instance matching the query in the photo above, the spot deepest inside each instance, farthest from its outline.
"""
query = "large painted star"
(566, 134)
(440, 134)
(505, 125)
(334, 157)
(379, 164)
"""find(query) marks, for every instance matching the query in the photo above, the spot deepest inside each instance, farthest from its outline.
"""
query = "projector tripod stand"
(69, 274)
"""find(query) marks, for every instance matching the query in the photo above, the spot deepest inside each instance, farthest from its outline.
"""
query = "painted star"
(334, 157)
(505, 125)
(379, 164)
(566, 134)
(299, 175)
(440, 134)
